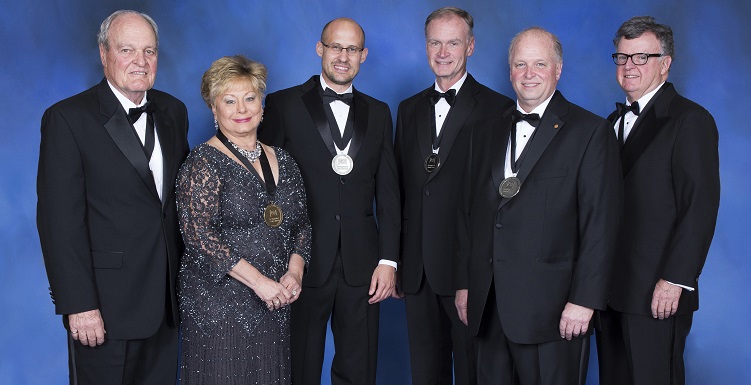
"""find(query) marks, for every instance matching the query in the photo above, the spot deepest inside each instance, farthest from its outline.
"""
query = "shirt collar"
(456, 85)
(647, 97)
(325, 85)
(126, 103)
(540, 110)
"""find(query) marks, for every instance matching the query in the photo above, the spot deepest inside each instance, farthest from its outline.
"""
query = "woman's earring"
(216, 125)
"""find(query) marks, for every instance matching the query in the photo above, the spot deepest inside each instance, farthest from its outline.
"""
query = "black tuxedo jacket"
(671, 197)
(340, 207)
(108, 241)
(430, 201)
(553, 242)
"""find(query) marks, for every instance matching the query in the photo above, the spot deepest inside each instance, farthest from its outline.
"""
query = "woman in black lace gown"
(247, 239)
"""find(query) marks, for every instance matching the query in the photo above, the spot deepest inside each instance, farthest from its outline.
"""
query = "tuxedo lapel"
(650, 122)
(458, 114)
(165, 130)
(423, 125)
(122, 134)
(360, 109)
(499, 142)
(312, 100)
(549, 127)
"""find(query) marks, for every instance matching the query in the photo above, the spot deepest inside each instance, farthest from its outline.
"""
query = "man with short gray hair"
(671, 197)
(106, 213)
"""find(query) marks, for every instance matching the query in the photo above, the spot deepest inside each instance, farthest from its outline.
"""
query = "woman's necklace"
(251, 155)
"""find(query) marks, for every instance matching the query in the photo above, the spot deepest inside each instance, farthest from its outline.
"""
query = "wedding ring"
(294, 292)
(74, 332)
(276, 302)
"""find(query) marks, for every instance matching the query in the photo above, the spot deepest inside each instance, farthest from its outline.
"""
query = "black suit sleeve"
(599, 200)
(387, 195)
(696, 185)
(61, 217)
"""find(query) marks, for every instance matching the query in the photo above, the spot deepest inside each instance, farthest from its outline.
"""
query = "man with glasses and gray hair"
(671, 179)
(342, 141)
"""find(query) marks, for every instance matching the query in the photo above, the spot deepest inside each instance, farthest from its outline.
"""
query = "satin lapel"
(499, 142)
(313, 103)
(361, 123)
(549, 127)
(424, 116)
(647, 126)
(165, 130)
(458, 114)
(122, 134)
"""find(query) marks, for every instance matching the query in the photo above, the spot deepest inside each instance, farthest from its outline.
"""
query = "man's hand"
(87, 327)
(460, 301)
(665, 299)
(574, 320)
(382, 283)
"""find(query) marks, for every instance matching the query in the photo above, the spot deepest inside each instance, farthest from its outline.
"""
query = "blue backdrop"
(49, 52)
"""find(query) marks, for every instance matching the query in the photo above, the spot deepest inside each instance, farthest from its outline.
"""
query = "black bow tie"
(330, 95)
(532, 119)
(623, 109)
(135, 113)
(449, 95)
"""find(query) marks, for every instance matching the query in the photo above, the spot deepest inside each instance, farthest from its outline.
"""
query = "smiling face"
(238, 109)
(535, 69)
(448, 45)
(340, 69)
(130, 61)
(636, 81)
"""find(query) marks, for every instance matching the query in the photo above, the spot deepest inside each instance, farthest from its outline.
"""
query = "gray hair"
(104, 29)
(639, 25)
(557, 46)
(445, 12)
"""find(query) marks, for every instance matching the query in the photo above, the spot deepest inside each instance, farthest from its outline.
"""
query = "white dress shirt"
(156, 163)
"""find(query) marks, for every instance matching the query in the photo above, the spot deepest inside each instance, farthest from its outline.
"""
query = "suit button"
(338, 217)
(498, 225)
(490, 260)
(427, 193)
(341, 180)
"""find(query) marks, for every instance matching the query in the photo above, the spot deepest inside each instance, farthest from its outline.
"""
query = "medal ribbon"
(268, 176)
(516, 162)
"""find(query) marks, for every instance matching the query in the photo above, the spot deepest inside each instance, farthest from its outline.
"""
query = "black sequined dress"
(228, 334)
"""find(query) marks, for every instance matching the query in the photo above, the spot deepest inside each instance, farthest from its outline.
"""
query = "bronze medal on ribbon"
(342, 164)
(510, 187)
(432, 162)
(273, 215)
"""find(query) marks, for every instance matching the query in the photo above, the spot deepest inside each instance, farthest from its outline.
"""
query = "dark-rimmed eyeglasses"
(337, 49)
(639, 59)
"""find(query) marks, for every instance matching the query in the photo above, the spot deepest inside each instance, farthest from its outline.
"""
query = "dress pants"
(503, 362)
(354, 325)
(436, 335)
(149, 361)
(638, 349)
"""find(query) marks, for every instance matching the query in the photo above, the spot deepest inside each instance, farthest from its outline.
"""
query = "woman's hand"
(273, 293)
(292, 279)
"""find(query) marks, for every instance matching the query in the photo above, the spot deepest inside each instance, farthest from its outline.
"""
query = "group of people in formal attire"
(512, 230)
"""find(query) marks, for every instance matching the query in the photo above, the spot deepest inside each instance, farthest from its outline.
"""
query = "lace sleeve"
(301, 229)
(199, 194)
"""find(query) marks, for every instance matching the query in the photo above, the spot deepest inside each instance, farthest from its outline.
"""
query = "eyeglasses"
(337, 49)
(639, 59)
